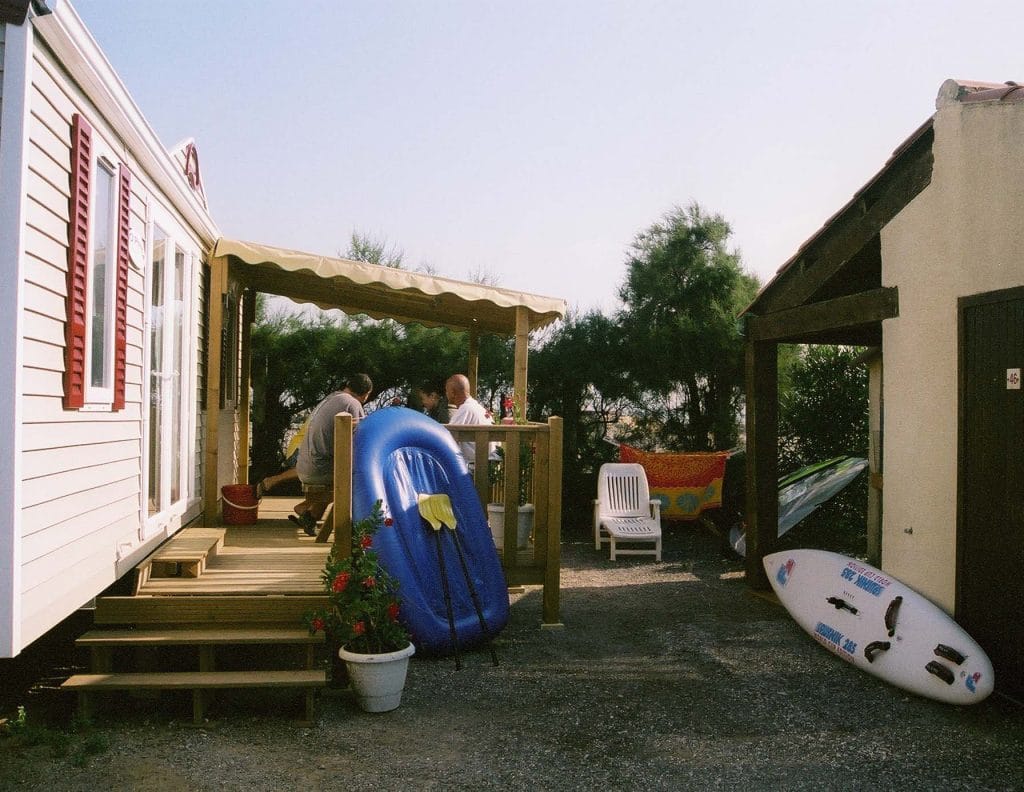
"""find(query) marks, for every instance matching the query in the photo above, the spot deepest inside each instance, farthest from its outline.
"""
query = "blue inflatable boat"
(402, 457)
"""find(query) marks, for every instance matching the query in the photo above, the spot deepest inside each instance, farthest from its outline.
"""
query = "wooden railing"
(540, 562)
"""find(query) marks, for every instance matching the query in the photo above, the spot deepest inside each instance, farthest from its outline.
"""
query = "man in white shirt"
(469, 411)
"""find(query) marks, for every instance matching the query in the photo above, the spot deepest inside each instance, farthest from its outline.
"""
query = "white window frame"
(102, 397)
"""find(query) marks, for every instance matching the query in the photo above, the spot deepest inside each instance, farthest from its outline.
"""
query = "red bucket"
(241, 506)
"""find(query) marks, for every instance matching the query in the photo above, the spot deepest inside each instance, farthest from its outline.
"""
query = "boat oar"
(472, 594)
(437, 510)
(427, 514)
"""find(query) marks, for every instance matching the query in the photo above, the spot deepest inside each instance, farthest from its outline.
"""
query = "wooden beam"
(762, 517)
(855, 225)
(218, 288)
(794, 324)
(521, 357)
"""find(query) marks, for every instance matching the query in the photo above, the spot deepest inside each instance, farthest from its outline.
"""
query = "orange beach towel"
(686, 484)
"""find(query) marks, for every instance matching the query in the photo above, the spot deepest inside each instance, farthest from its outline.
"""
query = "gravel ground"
(665, 676)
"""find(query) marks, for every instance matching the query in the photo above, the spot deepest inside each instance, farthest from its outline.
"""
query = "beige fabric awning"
(383, 292)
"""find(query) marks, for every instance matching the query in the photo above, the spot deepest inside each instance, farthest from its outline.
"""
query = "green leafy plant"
(363, 609)
(496, 471)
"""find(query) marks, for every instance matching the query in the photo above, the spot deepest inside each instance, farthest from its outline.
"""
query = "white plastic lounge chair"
(624, 510)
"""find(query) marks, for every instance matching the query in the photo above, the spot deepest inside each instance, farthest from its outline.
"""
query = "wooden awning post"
(245, 377)
(218, 288)
(473, 361)
(762, 376)
(521, 354)
(342, 512)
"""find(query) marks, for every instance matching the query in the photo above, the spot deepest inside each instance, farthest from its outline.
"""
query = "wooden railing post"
(553, 561)
(342, 512)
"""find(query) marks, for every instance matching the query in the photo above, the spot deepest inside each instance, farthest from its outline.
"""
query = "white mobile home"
(925, 265)
(103, 235)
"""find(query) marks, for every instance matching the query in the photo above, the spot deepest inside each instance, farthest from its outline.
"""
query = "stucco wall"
(959, 237)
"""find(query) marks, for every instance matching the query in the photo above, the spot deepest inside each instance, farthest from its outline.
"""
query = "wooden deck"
(272, 557)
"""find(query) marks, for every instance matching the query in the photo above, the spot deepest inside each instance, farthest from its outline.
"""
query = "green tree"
(372, 250)
(824, 411)
(683, 291)
(577, 373)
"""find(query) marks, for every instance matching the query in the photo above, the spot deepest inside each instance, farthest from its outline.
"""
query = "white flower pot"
(377, 679)
(496, 520)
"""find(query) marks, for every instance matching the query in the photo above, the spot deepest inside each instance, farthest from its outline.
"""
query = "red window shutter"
(121, 301)
(78, 264)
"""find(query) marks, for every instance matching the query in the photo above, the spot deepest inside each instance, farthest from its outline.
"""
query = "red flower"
(340, 582)
(393, 611)
(359, 628)
(389, 522)
(318, 624)
(370, 582)
(365, 542)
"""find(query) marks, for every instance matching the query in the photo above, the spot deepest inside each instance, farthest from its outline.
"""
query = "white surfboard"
(880, 625)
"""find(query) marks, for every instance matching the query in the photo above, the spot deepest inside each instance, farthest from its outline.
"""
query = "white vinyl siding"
(82, 471)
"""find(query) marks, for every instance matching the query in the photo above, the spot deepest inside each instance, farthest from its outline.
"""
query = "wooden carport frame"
(830, 292)
(379, 292)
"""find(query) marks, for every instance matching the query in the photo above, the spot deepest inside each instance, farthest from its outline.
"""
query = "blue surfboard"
(398, 455)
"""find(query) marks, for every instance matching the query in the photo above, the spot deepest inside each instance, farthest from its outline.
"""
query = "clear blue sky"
(532, 140)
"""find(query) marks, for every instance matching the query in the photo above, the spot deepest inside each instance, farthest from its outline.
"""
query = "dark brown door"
(990, 535)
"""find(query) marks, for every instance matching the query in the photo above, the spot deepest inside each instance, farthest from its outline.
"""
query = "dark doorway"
(990, 535)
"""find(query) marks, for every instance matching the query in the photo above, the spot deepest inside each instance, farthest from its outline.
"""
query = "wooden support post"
(201, 697)
(473, 361)
(875, 423)
(521, 355)
(342, 515)
(762, 516)
(245, 377)
(218, 288)
(102, 660)
(553, 560)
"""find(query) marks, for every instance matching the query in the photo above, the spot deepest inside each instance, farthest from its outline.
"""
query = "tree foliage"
(683, 291)
(824, 411)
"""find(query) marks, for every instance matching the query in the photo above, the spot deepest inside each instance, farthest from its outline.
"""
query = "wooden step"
(188, 680)
(229, 611)
(185, 554)
(199, 682)
(199, 637)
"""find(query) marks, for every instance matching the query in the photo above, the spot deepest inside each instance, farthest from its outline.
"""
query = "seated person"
(315, 464)
(425, 398)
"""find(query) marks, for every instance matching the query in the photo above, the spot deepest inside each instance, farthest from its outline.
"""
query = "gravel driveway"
(665, 676)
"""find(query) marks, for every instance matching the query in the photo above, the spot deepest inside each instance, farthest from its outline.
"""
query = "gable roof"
(830, 290)
(381, 292)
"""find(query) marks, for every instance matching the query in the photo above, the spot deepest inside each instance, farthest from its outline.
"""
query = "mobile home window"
(101, 283)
